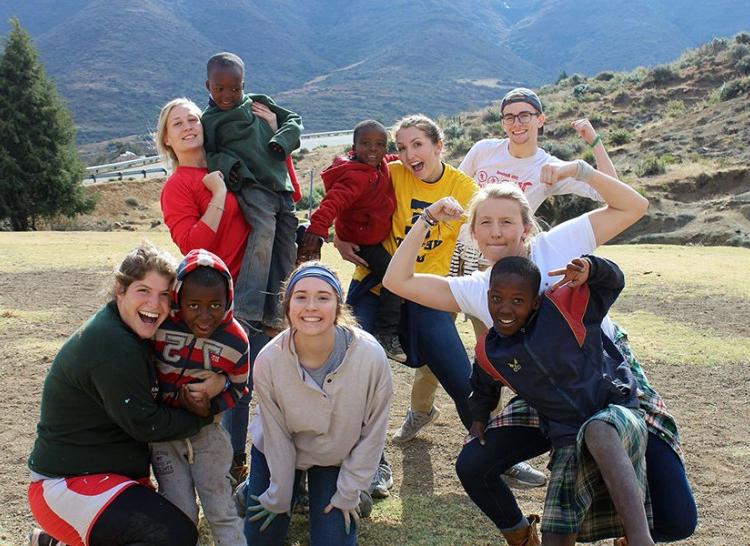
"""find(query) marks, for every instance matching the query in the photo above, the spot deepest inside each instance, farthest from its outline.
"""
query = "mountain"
(337, 62)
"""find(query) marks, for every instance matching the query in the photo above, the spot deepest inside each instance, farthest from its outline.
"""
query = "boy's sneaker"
(382, 481)
(238, 471)
(524, 476)
(365, 504)
(392, 347)
(414, 422)
(37, 537)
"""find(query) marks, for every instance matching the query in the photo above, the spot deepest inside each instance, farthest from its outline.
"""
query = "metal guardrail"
(96, 169)
(109, 167)
(119, 175)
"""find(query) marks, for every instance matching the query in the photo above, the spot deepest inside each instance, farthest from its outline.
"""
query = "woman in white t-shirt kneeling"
(503, 225)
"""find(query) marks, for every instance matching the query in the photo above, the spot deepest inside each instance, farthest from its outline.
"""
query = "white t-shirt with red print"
(490, 162)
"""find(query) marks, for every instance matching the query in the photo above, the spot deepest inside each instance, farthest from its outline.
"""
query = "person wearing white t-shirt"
(503, 225)
(516, 159)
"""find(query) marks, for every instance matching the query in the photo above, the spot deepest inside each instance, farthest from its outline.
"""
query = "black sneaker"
(392, 347)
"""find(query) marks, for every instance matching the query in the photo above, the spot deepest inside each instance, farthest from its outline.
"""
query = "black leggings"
(140, 516)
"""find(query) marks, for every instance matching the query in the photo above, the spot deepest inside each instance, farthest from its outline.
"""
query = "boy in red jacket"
(359, 197)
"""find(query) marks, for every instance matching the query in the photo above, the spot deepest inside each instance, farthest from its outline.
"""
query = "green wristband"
(596, 141)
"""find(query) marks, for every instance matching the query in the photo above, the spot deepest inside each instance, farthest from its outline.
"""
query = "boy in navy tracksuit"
(550, 350)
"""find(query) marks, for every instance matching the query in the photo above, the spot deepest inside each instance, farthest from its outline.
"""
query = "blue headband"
(316, 272)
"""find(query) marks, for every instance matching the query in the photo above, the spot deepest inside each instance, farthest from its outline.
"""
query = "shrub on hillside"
(308, 200)
(650, 165)
(743, 38)
(618, 137)
(743, 65)
(561, 150)
(604, 76)
(132, 202)
(676, 108)
(734, 88)
(737, 51)
(575, 79)
(453, 131)
(476, 133)
(563, 76)
(457, 147)
(492, 116)
(580, 90)
(662, 74)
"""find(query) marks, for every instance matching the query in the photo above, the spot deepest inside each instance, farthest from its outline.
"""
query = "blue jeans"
(479, 468)
(325, 529)
(269, 254)
(672, 502)
(235, 420)
(430, 337)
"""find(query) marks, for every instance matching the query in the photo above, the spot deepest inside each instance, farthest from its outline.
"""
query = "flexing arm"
(428, 290)
(624, 206)
(587, 132)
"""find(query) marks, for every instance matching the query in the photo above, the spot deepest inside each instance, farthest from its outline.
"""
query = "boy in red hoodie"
(359, 198)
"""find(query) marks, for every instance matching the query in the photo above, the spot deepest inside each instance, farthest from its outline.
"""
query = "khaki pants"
(425, 384)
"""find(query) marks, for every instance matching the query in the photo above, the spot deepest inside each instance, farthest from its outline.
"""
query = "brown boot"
(528, 536)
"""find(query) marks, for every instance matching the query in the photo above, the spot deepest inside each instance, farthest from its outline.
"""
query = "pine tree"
(40, 172)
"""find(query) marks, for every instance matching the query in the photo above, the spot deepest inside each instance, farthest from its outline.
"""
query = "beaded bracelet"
(428, 218)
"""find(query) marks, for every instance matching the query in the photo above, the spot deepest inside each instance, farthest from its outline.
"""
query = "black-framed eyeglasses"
(523, 118)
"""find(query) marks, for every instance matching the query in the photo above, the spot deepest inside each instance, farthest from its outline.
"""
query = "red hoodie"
(359, 198)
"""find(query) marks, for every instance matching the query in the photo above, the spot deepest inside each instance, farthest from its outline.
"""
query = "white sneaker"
(413, 423)
(382, 481)
(524, 476)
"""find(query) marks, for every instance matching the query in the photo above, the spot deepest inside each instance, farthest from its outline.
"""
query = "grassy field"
(687, 310)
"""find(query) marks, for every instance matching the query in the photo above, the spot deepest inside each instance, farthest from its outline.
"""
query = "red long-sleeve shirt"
(359, 198)
(184, 200)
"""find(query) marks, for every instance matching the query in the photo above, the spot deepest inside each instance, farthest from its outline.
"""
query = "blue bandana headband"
(316, 272)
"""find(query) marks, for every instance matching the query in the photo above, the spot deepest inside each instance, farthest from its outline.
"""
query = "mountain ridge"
(117, 61)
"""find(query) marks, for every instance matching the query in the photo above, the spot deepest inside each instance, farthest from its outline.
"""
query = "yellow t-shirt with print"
(412, 197)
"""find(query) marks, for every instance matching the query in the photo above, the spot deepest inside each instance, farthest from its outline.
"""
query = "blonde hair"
(421, 122)
(141, 260)
(344, 314)
(165, 151)
(510, 191)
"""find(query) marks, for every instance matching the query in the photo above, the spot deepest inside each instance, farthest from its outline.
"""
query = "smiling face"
(370, 146)
(312, 307)
(499, 230)
(523, 134)
(202, 307)
(184, 132)
(511, 300)
(225, 85)
(144, 304)
(419, 154)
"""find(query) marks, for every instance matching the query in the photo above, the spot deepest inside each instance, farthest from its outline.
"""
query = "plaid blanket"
(577, 497)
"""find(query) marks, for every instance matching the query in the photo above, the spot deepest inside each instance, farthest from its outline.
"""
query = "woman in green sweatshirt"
(90, 461)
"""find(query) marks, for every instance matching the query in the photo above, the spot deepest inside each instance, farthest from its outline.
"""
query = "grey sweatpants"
(200, 464)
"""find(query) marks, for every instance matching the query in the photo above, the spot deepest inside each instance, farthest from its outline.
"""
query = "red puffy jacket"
(359, 198)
